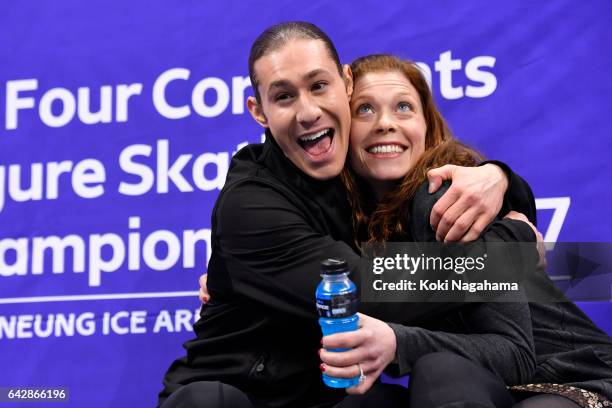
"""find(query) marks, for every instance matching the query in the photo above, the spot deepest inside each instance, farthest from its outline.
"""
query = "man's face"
(305, 104)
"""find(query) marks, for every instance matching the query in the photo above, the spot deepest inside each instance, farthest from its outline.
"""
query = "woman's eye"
(364, 108)
(404, 107)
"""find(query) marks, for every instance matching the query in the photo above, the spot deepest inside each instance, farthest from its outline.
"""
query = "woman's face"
(387, 129)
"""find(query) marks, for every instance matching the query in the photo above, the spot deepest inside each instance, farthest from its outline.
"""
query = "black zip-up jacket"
(570, 349)
(271, 227)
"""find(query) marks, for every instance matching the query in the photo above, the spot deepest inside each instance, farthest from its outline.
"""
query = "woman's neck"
(380, 188)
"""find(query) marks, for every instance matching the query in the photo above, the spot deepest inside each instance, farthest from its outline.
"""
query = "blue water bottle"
(337, 306)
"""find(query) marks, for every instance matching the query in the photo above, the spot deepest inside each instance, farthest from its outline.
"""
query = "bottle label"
(338, 305)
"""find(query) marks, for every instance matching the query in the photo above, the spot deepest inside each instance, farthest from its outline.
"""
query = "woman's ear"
(256, 111)
(348, 79)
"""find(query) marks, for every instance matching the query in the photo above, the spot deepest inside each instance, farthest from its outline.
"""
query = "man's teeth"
(314, 136)
(386, 149)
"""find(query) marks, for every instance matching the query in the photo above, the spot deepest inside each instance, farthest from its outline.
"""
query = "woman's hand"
(539, 238)
(471, 202)
(203, 293)
(373, 347)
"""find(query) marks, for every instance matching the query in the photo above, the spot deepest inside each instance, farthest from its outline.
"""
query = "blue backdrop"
(118, 122)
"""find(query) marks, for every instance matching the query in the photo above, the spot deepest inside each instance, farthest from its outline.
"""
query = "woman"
(397, 135)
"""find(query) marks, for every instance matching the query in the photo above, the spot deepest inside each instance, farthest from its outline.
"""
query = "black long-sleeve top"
(271, 227)
(569, 348)
(497, 336)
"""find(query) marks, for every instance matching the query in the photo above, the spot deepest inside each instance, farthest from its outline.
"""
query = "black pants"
(438, 380)
(213, 394)
(207, 394)
(446, 380)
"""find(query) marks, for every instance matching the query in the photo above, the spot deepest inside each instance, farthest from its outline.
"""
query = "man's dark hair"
(277, 36)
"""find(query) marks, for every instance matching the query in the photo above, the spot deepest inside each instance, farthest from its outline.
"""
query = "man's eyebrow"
(283, 83)
(315, 72)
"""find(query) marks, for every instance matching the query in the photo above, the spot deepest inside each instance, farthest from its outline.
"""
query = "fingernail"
(322, 367)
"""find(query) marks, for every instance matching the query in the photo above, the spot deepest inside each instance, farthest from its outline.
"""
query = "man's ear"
(348, 79)
(256, 111)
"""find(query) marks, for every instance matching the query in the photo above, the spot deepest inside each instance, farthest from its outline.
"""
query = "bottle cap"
(334, 266)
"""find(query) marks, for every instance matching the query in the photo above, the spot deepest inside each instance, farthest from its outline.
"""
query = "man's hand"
(204, 296)
(372, 346)
(471, 203)
(539, 238)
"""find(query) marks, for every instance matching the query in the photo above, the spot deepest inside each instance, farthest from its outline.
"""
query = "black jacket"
(496, 335)
(271, 227)
(569, 347)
